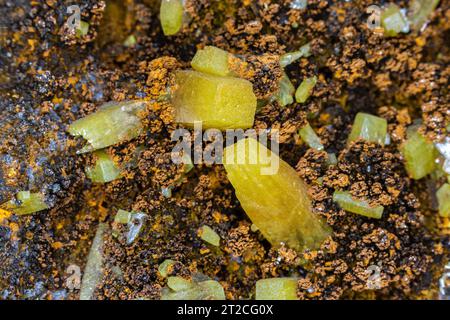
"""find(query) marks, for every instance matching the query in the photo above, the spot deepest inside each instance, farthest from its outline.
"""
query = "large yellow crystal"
(275, 200)
(218, 102)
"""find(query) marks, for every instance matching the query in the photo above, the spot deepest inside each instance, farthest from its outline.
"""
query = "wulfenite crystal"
(123, 217)
(165, 267)
(171, 16)
(277, 289)
(370, 128)
(305, 89)
(273, 196)
(443, 196)
(310, 137)
(26, 202)
(348, 203)
(290, 57)
(205, 290)
(209, 235)
(218, 102)
(393, 21)
(104, 170)
(82, 29)
(419, 154)
(285, 95)
(420, 12)
(114, 122)
(211, 60)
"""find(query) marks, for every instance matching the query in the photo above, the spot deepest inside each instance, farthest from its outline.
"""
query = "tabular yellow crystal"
(123, 217)
(305, 89)
(369, 127)
(443, 196)
(211, 60)
(217, 102)
(209, 235)
(28, 203)
(114, 122)
(104, 170)
(82, 29)
(275, 200)
(420, 11)
(166, 267)
(346, 202)
(393, 21)
(205, 290)
(310, 137)
(276, 289)
(178, 283)
(171, 16)
(419, 154)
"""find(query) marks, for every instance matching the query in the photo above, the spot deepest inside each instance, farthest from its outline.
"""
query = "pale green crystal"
(171, 16)
(310, 137)
(419, 154)
(393, 21)
(277, 289)
(113, 123)
(211, 60)
(305, 89)
(25, 203)
(209, 235)
(443, 196)
(370, 128)
(104, 170)
(348, 203)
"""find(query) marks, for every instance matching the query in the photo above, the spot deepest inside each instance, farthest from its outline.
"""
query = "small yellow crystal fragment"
(112, 123)
(171, 16)
(104, 170)
(26, 202)
(275, 200)
(276, 289)
(209, 235)
(211, 60)
(217, 102)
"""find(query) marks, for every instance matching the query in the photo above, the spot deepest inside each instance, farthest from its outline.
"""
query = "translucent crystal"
(290, 57)
(305, 89)
(346, 202)
(370, 128)
(123, 217)
(419, 154)
(443, 196)
(394, 21)
(178, 283)
(165, 267)
(277, 289)
(211, 60)
(93, 270)
(171, 16)
(285, 95)
(217, 102)
(205, 290)
(310, 137)
(26, 202)
(209, 235)
(113, 123)
(420, 11)
(275, 200)
(82, 29)
(104, 170)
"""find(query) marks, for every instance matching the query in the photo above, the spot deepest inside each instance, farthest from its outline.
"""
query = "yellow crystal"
(217, 102)
(275, 200)
(211, 60)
